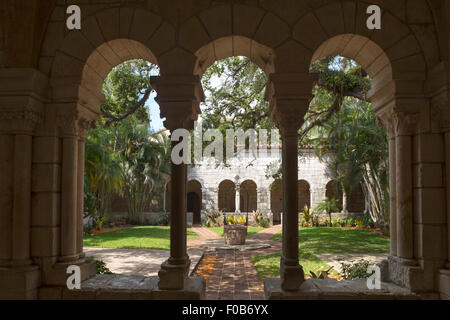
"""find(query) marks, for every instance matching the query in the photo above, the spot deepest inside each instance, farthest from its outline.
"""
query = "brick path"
(234, 276)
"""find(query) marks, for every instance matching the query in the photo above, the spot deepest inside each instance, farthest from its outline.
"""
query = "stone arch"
(334, 190)
(82, 59)
(227, 196)
(341, 29)
(230, 46)
(248, 196)
(194, 199)
(304, 194)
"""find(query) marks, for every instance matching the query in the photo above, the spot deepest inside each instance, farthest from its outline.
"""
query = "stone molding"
(23, 91)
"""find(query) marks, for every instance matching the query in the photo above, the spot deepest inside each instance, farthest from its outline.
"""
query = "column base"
(19, 283)
(57, 274)
(331, 289)
(172, 276)
(444, 284)
(292, 276)
(407, 273)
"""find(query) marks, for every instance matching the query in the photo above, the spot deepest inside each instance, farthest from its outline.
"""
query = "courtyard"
(235, 274)
(99, 105)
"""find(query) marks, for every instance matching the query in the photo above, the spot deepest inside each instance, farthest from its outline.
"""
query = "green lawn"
(144, 237)
(322, 240)
(250, 230)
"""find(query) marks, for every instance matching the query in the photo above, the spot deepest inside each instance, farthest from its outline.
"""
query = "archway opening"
(227, 196)
(248, 196)
(304, 195)
(194, 200)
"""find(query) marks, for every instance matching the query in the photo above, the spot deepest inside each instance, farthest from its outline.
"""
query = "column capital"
(23, 93)
(405, 123)
(289, 96)
(179, 97)
(440, 110)
(73, 123)
(20, 119)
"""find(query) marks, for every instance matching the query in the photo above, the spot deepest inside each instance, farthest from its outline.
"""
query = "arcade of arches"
(50, 95)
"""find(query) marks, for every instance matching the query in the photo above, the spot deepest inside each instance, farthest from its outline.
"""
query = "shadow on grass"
(142, 237)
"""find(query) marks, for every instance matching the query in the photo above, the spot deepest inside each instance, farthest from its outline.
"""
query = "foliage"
(260, 219)
(355, 270)
(213, 218)
(101, 268)
(321, 274)
(355, 150)
(328, 205)
(231, 219)
(103, 175)
(163, 219)
(99, 222)
(307, 214)
(127, 88)
(265, 223)
(235, 89)
(145, 163)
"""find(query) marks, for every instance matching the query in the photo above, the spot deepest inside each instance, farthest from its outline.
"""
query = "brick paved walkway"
(234, 276)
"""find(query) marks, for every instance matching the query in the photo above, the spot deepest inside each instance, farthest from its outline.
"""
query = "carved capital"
(405, 123)
(20, 120)
(179, 98)
(289, 96)
(386, 120)
(74, 124)
(289, 116)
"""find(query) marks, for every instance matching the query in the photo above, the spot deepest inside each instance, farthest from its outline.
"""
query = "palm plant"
(103, 174)
(328, 205)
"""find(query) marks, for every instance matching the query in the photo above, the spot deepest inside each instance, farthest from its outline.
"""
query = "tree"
(355, 150)
(127, 89)
(328, 205)
(144, 163)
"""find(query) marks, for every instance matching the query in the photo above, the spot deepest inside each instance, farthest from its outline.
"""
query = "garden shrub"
(355, 270)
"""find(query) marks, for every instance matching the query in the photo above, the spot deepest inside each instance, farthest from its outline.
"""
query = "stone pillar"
(404, 123)
(290, 96)
(69, 197)
(237, 199)
(447, 166)
(179, 98)
(392, 194)
(22, 92)
(387, 120)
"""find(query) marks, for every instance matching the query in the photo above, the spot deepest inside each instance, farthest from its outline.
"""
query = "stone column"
(22, 92)
(179, 98)
(290, 96)
(237, 199)
(387, 121)
(447, 165)
(69, 186)
(392, 194)
(404, 127)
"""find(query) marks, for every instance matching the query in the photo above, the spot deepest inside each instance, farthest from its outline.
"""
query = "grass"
(322, 240)
(143, 237)
(250, 230)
